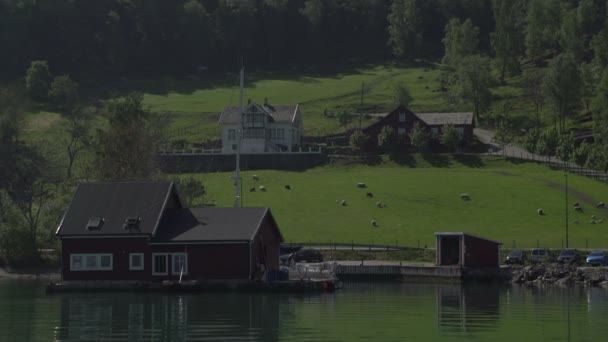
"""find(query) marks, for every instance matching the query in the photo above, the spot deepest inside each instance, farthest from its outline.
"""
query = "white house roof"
(278, 113)
(437, 119)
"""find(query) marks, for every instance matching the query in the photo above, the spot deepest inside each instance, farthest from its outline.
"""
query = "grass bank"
(422, 197)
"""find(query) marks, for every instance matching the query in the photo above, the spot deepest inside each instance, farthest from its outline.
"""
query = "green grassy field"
(424, 199)
(196, 105)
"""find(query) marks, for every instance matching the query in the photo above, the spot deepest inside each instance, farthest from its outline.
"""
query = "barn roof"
(436, 119)
(465, 234)
(101, 209)
(212, 224)
(278, 113)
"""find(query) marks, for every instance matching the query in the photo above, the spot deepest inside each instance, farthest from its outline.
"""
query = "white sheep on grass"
(262, 188)
(465, 196)
(343, 202)
(361, 185)
(600, 205)
(374, 223)
(379, 205)
(540, 211)
(255, 177)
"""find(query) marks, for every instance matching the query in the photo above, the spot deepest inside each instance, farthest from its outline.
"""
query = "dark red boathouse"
(466, 250)
(139, 231)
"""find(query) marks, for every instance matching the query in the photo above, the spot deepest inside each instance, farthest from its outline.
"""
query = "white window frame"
(136, 268)
(97, 266)
(402, 117)
(175, 271)
(154, 255)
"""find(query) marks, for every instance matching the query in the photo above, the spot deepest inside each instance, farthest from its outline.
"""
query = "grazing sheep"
(361, 185)
(593, 217)
(592, 221)
(262, 188)
(601, 205)
(255, 177)
(379, 205)
(540, 211)
(576, 204)
(343, 202)
(374, 223)
(288, 187)
(579, 209)
(252, 189)
(465, 196)
(369, 195)
(600, 221)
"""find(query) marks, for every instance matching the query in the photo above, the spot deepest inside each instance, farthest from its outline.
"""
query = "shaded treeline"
(151, 37)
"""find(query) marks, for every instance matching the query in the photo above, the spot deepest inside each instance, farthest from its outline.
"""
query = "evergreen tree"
(38, 80)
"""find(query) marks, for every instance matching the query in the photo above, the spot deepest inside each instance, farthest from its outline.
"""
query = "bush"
(532, 140)
(450, 136)
(581, 154)
(386, 138)
(63, 93)
(37, 80)
(358, 140)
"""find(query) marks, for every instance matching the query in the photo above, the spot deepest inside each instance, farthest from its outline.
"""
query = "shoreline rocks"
(563, 275)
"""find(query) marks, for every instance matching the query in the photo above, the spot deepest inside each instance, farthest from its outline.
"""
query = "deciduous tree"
(461, 40)
(561, 87)
(403, 28)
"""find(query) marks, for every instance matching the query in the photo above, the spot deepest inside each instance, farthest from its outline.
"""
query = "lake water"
(360, 312)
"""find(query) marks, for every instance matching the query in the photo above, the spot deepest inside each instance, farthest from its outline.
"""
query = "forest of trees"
(152, 37)
(558, 49)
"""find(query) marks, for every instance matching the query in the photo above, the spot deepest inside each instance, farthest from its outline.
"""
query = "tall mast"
(239, 133)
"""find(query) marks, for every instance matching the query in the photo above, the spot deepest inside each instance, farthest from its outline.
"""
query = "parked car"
(307, 255)
(516, 256)
(539, 255)
(568, 256)
(597, 258)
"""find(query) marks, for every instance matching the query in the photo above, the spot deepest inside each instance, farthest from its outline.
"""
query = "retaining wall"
(219, 162)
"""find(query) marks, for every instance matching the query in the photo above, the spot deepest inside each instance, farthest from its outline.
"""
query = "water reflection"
(472, 308)
(168, 318)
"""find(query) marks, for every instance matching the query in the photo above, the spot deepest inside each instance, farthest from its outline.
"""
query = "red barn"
(466, 250)
(139, 231)
(402, 121)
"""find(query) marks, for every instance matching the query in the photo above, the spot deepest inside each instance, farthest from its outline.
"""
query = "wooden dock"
(295, 286)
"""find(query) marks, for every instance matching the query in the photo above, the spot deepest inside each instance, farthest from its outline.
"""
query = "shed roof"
(467, 234)
(278, 113)
(211, 224)
(115, 202)
(436, 119)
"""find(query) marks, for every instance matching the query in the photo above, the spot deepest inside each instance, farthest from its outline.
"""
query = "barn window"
(435, 132)
(180, 263)
(136, 261)
(159, 264)
(401, 132)
(402, 117)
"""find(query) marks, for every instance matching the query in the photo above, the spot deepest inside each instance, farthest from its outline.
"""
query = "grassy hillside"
(424, 199)
(195, 105)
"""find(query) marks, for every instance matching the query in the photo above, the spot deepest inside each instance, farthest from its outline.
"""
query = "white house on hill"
(266, 128)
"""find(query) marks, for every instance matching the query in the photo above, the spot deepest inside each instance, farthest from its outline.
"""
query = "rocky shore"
(564, 275)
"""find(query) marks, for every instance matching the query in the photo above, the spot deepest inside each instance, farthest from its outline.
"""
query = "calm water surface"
(360, 312)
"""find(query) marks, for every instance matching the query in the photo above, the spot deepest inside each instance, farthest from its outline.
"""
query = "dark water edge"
(360, 312)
